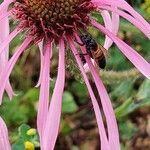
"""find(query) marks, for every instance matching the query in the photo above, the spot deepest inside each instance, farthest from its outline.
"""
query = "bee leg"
(82, 54)
(82, 57)
(81, 44)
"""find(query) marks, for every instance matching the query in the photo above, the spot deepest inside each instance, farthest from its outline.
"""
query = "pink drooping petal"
(123, 5)
(4, 15)
(113, 134)
(44, 89)
(103, 138)
(131, 19)
(53, 118)
(4, 140)
(9, 90)
(5, 5)
(42, 62)
(108, 24)
(4, 32)
(115, 22)
(8, 38)
(111, 23)
(140, 63)
(126, 7)
(4, 76)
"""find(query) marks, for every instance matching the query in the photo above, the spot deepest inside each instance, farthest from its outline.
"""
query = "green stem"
(110, 77)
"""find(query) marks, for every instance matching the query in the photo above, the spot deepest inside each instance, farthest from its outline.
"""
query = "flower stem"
(110, 77)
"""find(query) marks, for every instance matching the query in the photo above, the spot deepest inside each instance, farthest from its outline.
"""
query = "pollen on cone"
(52, 19)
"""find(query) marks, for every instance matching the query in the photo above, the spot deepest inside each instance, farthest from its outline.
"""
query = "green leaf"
(123, 90)
(23, 137)
(32, 94)
(122, 110)
(79, 89)
(127, 130)
(17, 108)
(18, 146)
(117, 61)
(144, 91)
(65, 127)
(23, 131)
(141, 99)
(69, 105)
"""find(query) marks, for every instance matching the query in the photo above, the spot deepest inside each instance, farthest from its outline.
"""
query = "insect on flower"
(94, 50)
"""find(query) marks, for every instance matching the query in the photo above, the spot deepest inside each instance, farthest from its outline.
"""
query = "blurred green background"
(128, 89)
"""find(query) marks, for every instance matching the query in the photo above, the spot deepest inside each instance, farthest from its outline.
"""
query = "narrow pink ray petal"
(140, 63)
(5, 15)
(4, 5)
(114, 27)
(4, 140)
(8, 39)
(115, 22)
(103, 138)
(44, 89)
(108, 24)
(9, 90)
(135, 14)
(53, 118)
(9, 66)
(113, 133)
(131, 19)
(4, 32)
(127, 8)
(41, 60)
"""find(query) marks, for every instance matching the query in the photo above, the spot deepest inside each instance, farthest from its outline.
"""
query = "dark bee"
(95, 51)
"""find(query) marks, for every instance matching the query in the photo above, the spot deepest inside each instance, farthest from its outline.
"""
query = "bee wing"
(105, 52)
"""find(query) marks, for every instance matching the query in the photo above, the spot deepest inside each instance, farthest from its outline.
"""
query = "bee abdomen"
(100, 58)
(102, 62)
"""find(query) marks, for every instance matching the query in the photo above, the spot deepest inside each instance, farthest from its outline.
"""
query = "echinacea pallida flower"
(49, 22)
